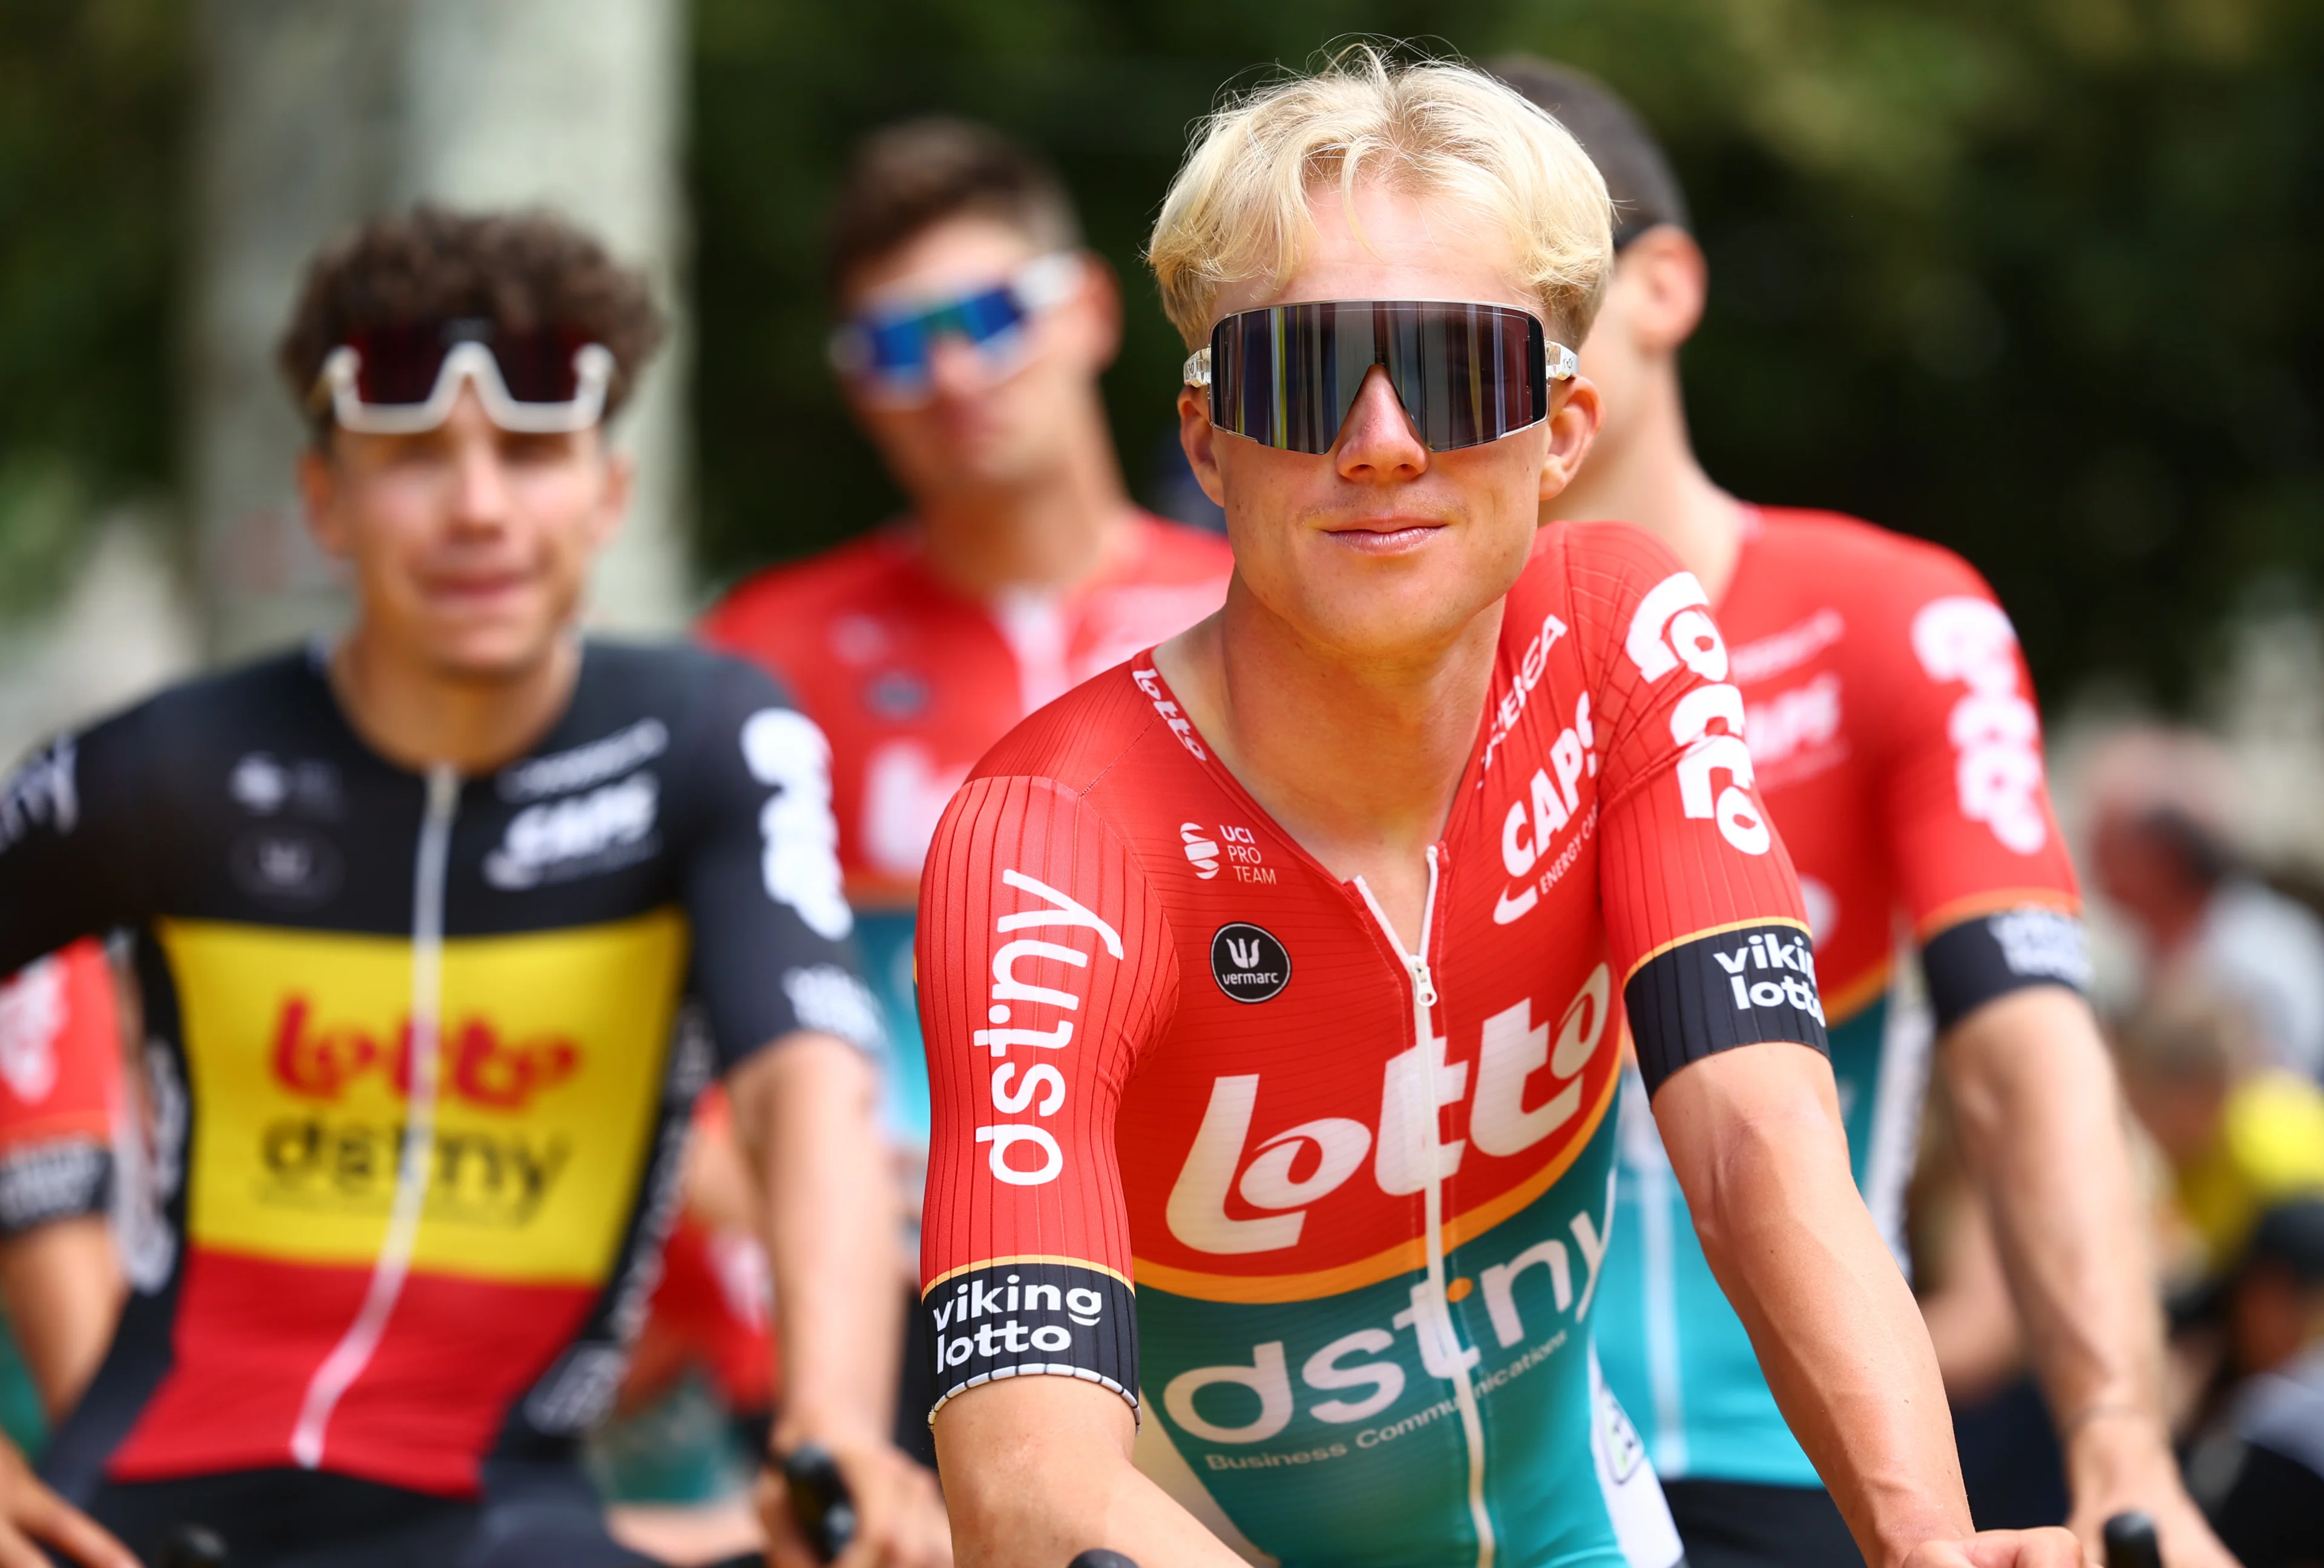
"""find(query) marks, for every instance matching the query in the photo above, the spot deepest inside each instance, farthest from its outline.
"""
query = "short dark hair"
(1639, 178)
(518, 269)
(905, 180)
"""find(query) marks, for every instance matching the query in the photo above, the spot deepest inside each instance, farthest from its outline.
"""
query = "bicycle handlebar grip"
(820, 1501)
(1099, 1557)
(192, 1546)
(2130, 1542)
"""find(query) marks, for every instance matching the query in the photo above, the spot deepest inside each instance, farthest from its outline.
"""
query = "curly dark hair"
(907, 178)
(520, 269)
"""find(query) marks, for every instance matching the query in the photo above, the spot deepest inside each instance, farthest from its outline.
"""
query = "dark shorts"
(1730, 1524)
(532, 1515)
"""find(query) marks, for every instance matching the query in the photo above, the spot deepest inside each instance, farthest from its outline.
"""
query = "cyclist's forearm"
(1038, 1470)
(1755, 1139)
(807, 1112)
(2041, 1125)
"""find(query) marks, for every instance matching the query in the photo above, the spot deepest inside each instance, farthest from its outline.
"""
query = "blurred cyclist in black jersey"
(440, 929)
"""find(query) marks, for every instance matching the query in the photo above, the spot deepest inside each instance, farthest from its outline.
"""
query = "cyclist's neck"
(417, 714)
(1048, 532)
(1642, 470)
(1357, 759)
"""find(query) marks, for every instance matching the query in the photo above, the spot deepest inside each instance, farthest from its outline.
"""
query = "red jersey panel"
(1892, 724)
(59, 1087)
(1169, 1046)
(912, 682)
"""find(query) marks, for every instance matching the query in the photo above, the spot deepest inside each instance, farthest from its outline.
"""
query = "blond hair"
(1239, 208)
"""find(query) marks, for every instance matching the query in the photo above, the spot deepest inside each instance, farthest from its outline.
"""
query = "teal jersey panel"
(884, 937)
(1672, 1350)
(1338, 1438)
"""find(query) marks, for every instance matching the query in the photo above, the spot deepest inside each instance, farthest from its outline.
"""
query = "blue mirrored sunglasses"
(887, 353)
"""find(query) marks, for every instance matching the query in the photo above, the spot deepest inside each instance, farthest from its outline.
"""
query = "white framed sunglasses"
(401, 379)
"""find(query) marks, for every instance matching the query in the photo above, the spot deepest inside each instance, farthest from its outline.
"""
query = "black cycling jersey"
(417, 1069)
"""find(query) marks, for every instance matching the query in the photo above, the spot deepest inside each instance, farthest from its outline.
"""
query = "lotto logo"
(1995, 734)
(1671, 627)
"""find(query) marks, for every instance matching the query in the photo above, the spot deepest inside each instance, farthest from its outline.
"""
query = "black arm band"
(1989, 955)
(1713, 992)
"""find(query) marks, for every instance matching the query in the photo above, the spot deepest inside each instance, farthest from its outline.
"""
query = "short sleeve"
(72, 821)
(771, 927)
(1703, 915)
(1981, 868)
(1045, 970)
(59, 1088)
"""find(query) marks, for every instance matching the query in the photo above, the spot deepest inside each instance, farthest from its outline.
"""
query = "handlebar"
(192, 1546)
(820, 1501)
(2130, 1542)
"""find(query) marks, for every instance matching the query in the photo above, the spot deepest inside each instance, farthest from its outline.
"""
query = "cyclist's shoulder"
(280, 700)
(1845, 557)
(689, 694)
(782, 601)
(1091, 734)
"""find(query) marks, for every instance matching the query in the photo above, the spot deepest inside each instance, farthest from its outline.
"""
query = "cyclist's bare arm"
(805, 1112)
(1036, 1471)
(2039, 1120)
(61, 1284)
(1755, 1139)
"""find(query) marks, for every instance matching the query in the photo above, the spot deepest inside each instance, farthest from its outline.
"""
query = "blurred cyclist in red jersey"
(1268, 1209)
(975, 327)
(1892, 724)
(60, 1085)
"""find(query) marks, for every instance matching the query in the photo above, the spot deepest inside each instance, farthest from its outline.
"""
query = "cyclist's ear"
(319, 491)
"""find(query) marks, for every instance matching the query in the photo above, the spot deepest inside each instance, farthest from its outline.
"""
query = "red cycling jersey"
(1169, 1046)
(59, 1087)
(911, 681)
(1892, 720)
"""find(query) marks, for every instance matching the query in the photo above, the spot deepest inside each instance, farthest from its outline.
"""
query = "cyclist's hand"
(899, 1517)
(31, 1513)
(2045, 1548)
(2154, 1489)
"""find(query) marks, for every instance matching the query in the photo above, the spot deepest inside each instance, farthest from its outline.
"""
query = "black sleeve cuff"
(1032, 1317)
(1989, 955)
(49, 1182)
(1713, 992)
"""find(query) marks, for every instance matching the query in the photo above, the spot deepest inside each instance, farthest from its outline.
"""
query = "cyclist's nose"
(1376, 440)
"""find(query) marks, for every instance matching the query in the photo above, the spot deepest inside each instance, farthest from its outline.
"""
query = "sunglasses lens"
(398, 365)
(896, 347)
(536, 366)
(1465, 373)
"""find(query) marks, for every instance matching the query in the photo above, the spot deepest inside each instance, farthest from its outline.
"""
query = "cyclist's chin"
(490, 649)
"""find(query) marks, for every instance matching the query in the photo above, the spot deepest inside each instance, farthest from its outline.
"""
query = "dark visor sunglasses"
(1286, 376)
(401, 379)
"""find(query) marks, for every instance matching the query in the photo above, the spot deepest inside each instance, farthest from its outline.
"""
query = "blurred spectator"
(2239, 1133)
(2258, 1469)
(2161, 851)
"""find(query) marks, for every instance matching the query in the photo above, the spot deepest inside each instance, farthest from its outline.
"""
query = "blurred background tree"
(2037, 278)
(92, 203)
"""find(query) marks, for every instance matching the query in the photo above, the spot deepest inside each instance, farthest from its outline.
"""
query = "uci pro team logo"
(1248, 964)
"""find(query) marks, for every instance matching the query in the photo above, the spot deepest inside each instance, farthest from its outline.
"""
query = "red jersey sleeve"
(1703, 917)
(1045, 969)
(1980, 863)
(59, 1088)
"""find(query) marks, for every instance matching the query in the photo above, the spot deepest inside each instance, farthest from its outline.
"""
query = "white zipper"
(1465, 1394)
(356, 1347)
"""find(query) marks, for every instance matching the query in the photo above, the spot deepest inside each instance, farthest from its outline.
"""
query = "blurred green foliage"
(2041, 279)
(92, 128)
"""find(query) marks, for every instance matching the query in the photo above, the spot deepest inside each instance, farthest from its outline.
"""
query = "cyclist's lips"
(1386, 536)
(477, 588)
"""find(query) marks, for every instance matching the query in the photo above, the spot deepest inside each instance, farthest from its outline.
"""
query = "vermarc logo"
(1248, 964)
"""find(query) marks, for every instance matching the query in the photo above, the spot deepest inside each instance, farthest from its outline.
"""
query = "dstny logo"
(1248, 964)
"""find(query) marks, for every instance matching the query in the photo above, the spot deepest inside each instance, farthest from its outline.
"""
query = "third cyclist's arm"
(806, 1111)
(2041, 1123)
(1755, 1140)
